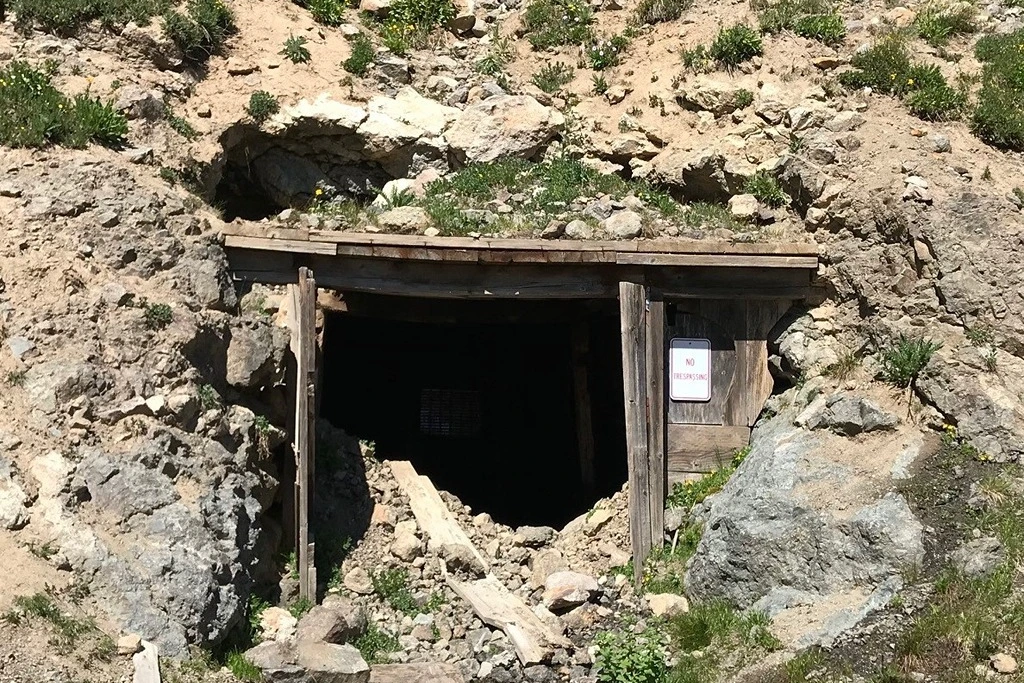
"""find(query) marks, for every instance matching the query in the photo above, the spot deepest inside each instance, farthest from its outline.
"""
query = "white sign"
(689, 370)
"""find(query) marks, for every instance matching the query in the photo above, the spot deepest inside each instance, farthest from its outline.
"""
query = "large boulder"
(803, 512)
(338, 620)
(503, 126)
(255, 355)
(700, 175)
(715, 96)
(567, 589)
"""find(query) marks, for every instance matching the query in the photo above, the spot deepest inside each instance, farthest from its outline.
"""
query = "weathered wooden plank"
(725, 260)
(420, 672)
(656, 373)
(533, 640)
(298, 246)
(146, 664)
(632, 309)
(581, 399)
(305, 400)
(431, 513)
(702, 448)
(265, 230)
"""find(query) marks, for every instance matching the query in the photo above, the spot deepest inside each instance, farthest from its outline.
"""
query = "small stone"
(404, 220)
(940, 143)
(129, 644)
(1003, 663)
(624, 225)
(237, 67)
(667, 604)
(203, 111)
(277, 624)
(827, 63)
(406, 547)
(743, 206)
(565, 590)
(358, 581)
(596, 520)
(20, 347)
(533, 536)
(338, 620)
(431, 232)
(545, 563)
(579, 230)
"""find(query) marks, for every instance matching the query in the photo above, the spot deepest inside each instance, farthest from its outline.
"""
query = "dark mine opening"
(482, 397)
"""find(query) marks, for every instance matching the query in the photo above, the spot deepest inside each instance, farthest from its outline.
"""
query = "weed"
(938, 21)
(262, 105)
(782, 15)
(606, 53)
(397, 198)
(689, 493)
(999, 116)
(744, 98)
(636, 112)
(829, 29)
(44, 551)
(300, 607)
(362, 55)
(202, 29)
(295, 50)
(209, 399)
(65, 18)
(156, 316)
(665, 567)
(550, 23)
(624, 657)
(376, 644)
(766, 188)
(990, 359)
(735, 45)
(843, 368)
(796, 143)
(16, 378)
(67, 630)
(421, 14)
(1018, 194)
(242, 668)
(655, 102)
(600, 84)
(655, 11)
(33, 113)
(986, 175)
(180, 126)
(724, 638)
(327, 12)
(904, 360)
(708, 215)
(552, 77)
(256, 607)
(392, 585)
(697, 59)
(980, 334)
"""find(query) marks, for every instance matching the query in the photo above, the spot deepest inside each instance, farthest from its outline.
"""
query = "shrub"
(744, 98)
(937, 22)
(553, 76)
(156, 316)
(295, 49)
(375, 644)
(327, 12)
(655, 11)
(202, 29)
(904, 360)
(887, 68)
(735, 45)
(33, 113)
(262, 105)
(624, 657)
(600, 84)
(767, 189)
(64, 17)
(782, 15)
(603, 54)
(825, 28)
(550, 23)
(421, 14)
(393, 586)
(999, 116)
(697, 59)
(361, 57)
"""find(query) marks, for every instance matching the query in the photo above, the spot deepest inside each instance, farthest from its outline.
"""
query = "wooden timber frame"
(730, 294)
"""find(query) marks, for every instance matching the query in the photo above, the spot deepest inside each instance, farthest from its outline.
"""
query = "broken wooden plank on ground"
(420, 672)
(430, 511)
(147, 664)
(533, 640)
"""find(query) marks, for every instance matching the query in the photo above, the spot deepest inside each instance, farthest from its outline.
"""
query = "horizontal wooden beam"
(702, 448)
(718, 260)
(279, 244)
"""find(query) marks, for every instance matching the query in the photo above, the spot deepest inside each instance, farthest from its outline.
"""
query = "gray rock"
(850, 415)
(534, 536)
(13, 501)
(53, 384)
(979, 557)
(565, 590)
(404, 220)
(406, 547)
(309, 662)
(460, 559)
(255, 355)
(138, 103)
(503, 126)
(761, 534)
(624, 225)
(743, 206)
(940, 143)
(579, 230)
(338, 620)
(674, 518)
(358, 581)
(545, 563)
(20, 347)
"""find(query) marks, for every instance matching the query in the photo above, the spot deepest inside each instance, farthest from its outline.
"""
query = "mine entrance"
(484, 397)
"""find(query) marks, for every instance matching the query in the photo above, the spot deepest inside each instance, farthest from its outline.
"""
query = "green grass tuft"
(999, 116)
(766, 188)
(327, 12)
(735, 45)
(376, 644)
(903, 360)
(689, 493)
(392, 585)
(362, 56)
(243, 669)
(657, 11)
(67, 17)
(551, 23)
(202, 29)
(938, 21)
(627, 657)
(295, 50)
(262, 105)
(33, 113)
(553, 76)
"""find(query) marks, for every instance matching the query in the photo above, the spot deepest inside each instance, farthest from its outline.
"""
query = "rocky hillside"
(872, 531)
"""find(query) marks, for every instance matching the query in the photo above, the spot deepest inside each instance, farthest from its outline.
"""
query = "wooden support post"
(305, 446)
(657, 471)
(632, 309)
(581, 397)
